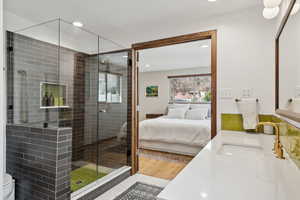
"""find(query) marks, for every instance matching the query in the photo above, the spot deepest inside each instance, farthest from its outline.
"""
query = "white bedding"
(179, 131)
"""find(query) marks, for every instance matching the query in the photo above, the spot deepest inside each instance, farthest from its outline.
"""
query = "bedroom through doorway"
(175, 94)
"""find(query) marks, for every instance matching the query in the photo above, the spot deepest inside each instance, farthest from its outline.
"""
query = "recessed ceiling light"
(77, 24)
(203, 195)
(212, 0)
(147, 65)
(204, 46)
(270, 13)
(125, 56)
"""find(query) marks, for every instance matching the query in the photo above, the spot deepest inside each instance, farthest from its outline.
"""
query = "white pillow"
(177, 106)
(176, 113)
(197, 114)
(200, 106)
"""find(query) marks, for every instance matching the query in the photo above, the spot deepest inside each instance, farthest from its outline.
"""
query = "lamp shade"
(271, 3)
(270, 13)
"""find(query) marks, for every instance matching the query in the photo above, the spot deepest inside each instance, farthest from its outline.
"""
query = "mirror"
(288, 65)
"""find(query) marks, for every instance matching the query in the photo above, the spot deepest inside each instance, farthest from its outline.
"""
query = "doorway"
(176, 97)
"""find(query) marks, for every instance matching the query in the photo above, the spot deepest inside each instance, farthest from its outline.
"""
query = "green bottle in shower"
(51, 100)
(45, 101)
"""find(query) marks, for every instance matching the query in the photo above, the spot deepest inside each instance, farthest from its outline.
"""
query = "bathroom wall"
(43, 62)
(290, 134)
(91, 115)
(245, 55)
(79, 73)
(40, 161)
(158, 105)
(234, 122)
(244, 42)
(290, 138)
(115, 116)
(39, 60)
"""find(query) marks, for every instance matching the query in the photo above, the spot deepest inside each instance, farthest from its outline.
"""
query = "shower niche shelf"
(53, 95)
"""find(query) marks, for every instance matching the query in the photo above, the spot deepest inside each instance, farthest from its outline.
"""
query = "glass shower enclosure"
(59, 77)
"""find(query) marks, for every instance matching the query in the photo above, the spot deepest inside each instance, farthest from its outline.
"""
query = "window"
(102, 87)
(190, 89)
(110, 88)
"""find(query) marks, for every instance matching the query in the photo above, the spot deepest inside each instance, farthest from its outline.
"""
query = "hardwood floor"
(161, 165)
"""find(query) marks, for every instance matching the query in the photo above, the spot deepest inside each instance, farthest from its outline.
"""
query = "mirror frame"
(285, 113)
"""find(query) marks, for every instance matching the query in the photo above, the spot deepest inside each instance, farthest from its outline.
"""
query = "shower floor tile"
(84, 176)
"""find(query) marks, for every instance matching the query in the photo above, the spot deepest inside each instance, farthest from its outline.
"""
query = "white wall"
(2, 102)
(246, 57)
(158, 105)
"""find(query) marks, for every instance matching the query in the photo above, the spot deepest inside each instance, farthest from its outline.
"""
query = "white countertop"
(224, 170)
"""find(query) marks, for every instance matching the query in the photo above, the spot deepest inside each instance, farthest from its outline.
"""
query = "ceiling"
(127, 22)
(174, 57)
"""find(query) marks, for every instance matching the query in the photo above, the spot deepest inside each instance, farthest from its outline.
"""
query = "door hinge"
(10, 49)
(138, 108)
(129, 62)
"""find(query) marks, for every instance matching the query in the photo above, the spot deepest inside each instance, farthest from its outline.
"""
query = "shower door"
(106, 142)
(100, 141)
(114, 103)
(105, 145)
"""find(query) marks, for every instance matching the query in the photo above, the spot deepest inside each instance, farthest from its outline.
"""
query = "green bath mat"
(83, 176)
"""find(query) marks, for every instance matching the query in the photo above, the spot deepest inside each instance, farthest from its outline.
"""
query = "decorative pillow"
(176, 113)
(178, 106)
(200, 106)
(197, 114)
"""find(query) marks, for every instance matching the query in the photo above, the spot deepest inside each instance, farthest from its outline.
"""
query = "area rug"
(140, 191)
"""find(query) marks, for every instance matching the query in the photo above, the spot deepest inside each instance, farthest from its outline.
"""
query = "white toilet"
(8, 187)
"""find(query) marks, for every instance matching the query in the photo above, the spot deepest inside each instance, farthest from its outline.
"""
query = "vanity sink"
(235, 166)
(228, 149)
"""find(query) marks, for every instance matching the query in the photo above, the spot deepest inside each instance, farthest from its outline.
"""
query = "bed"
(180, 136)
(185, 129)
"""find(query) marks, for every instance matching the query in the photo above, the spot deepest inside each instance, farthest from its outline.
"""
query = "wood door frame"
(212, 35)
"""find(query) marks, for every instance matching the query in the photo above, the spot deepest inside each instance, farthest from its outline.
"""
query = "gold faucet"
(278, 150)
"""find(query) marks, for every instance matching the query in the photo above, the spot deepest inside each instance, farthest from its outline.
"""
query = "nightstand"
(152, 116)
